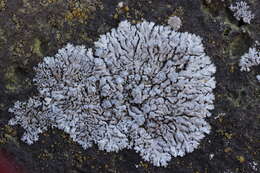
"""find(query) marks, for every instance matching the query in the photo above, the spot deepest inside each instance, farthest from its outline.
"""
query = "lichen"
(241, 12)
(250, 59)
(37, 47)
(152, 69)
(147, 87)
(77, 13)
(2, 5)
(81, 12)
(175, 22)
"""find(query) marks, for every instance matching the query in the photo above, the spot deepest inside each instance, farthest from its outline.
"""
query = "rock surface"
(30, 30)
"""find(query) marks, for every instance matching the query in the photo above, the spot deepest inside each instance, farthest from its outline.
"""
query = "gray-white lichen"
(250, 59)
(175, 22)
(146, 87)
(258, 77)
(67, 96)
(167, 84)
(241, 11)
(32, 115)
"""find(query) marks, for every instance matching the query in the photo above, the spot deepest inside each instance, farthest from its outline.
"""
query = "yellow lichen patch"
(80, 11)
(144, 165)
(36, 48)
(241, 159)
(115, 16)
(227, 150)
(2, 5)
(228, 135)
(45, 155)
(80, 14)
(68, 16)
(126, 9)
(232, 69)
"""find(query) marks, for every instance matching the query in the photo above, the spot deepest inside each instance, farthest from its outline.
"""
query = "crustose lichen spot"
(250, 59)
(146, 87)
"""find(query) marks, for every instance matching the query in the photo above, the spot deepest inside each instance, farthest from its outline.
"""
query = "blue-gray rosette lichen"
(250, 59)
(145, 87)
(242, 12)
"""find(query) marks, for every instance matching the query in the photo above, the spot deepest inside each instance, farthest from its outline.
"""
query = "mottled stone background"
(32, 29)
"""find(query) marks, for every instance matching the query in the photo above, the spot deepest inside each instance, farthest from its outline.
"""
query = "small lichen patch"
(2, 5)
(77, 13)
(241, 159)
(227, 150)
(228, 135)
(36, 48)
(81, 11)
(175, 22)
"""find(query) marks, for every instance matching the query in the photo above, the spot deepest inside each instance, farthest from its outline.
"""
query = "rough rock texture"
(30, 30)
